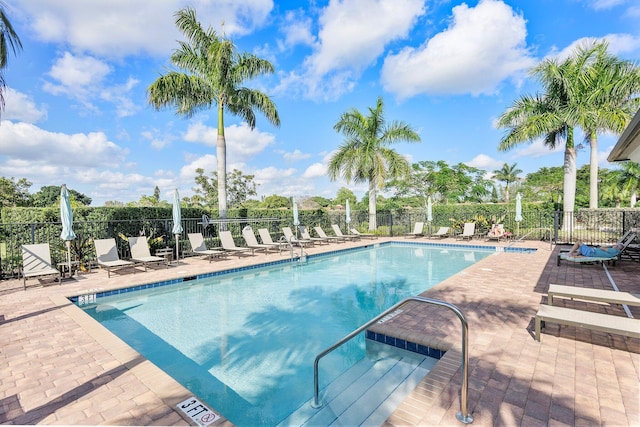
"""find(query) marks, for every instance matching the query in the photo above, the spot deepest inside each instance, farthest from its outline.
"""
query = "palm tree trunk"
(569, 185)
(373, 225)
(593, 171)
(221, 154)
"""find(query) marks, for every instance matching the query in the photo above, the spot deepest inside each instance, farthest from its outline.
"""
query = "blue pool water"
(245, 342)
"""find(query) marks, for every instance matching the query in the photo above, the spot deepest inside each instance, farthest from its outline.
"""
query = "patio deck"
(60, 367)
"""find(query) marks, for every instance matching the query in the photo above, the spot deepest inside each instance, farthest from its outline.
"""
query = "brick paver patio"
(60, 367)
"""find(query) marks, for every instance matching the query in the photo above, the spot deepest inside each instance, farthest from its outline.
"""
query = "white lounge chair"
(468, 232)
(108, 258)
(363, 235)
(320, 232)
(567, 256)
(417, 230)
(338, 232)
(586, 319)
(140, 252)
(266, 239)
(288, 234)
(36, 262)
(589, 294)
(497, 232)
(226, 240)
(199, 247)
(304, 233)
(442, 232)
(252, 242)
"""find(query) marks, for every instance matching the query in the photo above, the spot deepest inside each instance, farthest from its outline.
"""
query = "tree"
(214, 73)
(507, 174)
(342, 195)
(630, 180)
(206, 193)
(547, 115)
(8, 40)
(153, 200)
(49, 195)
(605, 100)
(364, 156)
(276, 202)
(544, 185)
(13, 194)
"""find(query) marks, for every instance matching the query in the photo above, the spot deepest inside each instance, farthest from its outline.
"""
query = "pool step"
(368, 392)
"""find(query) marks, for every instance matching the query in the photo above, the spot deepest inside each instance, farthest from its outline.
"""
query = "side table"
(64, 268)
(167, 253)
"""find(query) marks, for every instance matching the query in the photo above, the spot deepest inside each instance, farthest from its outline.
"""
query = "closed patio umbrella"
(429, 212)
(66, 217)
(177, 219)
(296, 221)
(348, 214)
(518, 210)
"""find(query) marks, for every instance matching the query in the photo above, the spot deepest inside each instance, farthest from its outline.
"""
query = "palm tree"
(546, 115)
(214, 73)
(507, 174)
(605, 99)
(364, 156)
(8, 40)
(630, 180)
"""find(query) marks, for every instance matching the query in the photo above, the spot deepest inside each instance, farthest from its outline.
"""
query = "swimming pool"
(244, 342)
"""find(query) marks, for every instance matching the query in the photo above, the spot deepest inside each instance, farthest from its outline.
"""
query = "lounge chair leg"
(539, 324)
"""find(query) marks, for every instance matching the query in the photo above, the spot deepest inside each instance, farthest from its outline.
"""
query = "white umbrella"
(518, 210)
(348, 213)
(296, 221)
(66, 217)
(177, 219)
(429, 212)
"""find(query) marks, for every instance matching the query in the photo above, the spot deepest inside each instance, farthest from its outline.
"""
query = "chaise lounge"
(625, 241)
(140, 252)
(36, 262)
(108, 258)
(199, 247)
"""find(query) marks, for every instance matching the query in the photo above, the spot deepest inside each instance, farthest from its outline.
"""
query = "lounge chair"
(442, 232)
(320, 232)
(140, 252)
(266, 239)
(226, 240)
(567, 256)
(589, 294)
(291, 238)
(497, 232)
(338, 232)
(252, 242)
(468, 232)
(304, 233)
(108, 258)
(36, 262)
(363, 235)
(199, 247)
(586, 319)
(417, 230)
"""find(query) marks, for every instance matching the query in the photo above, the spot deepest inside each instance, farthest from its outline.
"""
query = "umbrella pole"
(68, 243)
(177, 248)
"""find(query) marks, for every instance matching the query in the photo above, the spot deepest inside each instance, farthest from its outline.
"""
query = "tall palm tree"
(507, 174)
(364, 156)
(605, 99)
(214, 73)
(546, 115)
(9, 40)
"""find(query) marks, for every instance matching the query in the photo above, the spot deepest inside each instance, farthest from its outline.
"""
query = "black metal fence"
(601, 226)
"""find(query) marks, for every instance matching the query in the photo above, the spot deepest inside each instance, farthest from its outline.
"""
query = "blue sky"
(77, 112)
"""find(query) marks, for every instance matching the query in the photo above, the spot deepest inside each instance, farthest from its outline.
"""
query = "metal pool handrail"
(463, 416)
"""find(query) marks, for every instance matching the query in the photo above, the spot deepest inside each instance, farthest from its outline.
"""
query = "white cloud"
(21, 107)
(293, 156)
(482, 161)
(352, 35)
(242, 142)
(117, 28)
(315, 170)
(618, 44)
(24, 141)
(483, 46)
(537, 149)
(296, 30)
(207, 162)
(604, 4)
